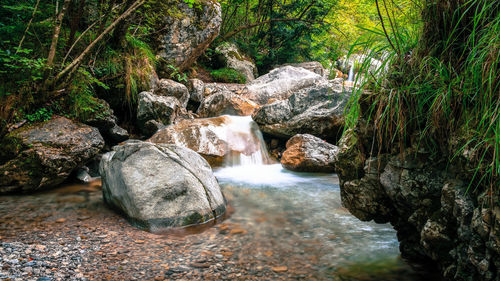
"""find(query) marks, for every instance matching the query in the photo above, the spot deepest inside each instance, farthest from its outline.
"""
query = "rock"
(151, 127)
(213, 138)
(170, 88)
(226, 102)
(232, 58)
(118, 134)
(312, 66)
(187, 33)
(196, 89)
(83, 175)
(105, 120)
(280, 83)
(160, 185)
(307, 153)
(162, 109)
(439, 224)
(44, 154)
(317, 110)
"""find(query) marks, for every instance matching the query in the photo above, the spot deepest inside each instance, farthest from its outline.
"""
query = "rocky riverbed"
(70, 234)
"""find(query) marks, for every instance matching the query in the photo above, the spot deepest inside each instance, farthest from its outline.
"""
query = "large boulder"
(153, 107)
(170, 88)
(215, 138)
(312, 66)
(187, 34)
(307, 153)
(280, 83)
(226, 102)
(232, 58)
(43, 155)
(160, 185)
(316, 110)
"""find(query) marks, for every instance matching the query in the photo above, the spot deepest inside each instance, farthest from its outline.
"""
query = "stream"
(283, 225)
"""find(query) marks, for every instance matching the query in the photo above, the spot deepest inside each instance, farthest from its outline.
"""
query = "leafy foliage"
(228, 75)
(440, 87)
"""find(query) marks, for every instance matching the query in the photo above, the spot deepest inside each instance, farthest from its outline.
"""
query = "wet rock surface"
(43, 155)
(316, 110)
(438, 222)
(160, 185)
(212, 137)
(307, 153)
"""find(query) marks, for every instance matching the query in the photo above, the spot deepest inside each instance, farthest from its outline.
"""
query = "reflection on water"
(303, 213)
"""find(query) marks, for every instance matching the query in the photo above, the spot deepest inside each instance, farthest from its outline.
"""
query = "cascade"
(246, 142)
(350, 78)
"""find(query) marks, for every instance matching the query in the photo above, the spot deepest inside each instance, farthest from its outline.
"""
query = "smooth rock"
(160, 185)
(307, 153)
(312, 66)
(280, 83)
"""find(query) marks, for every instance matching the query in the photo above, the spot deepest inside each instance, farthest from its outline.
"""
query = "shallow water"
(299, 210)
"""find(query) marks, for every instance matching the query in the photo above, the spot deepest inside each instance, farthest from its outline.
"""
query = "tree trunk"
(118, 38)
(57, 31)
(75, 17)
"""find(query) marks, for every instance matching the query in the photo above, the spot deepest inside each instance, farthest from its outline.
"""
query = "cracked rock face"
(438, 222)
(160, 185)
(43, 155)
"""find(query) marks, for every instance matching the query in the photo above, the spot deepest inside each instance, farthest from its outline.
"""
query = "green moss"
(227, 75)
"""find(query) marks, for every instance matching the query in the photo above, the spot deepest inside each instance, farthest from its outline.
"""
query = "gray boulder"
(187, 34)
(232, 58)
(153, 107)
(196, 89)
(158, 185)
(316, 110)
(280, 83)
(312, 66)
(43, 155)
(307, 153)
(170, 88)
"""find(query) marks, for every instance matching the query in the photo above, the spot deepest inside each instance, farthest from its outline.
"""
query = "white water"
(299, 207)
(350, 78)
(245, 139)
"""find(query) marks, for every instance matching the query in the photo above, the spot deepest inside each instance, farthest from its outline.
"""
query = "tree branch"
(69, 70)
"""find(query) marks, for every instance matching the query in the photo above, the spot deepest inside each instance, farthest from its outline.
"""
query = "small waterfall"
(247, 143)
(350, 78)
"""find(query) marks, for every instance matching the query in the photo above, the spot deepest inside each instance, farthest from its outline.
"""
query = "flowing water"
(301, 209)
